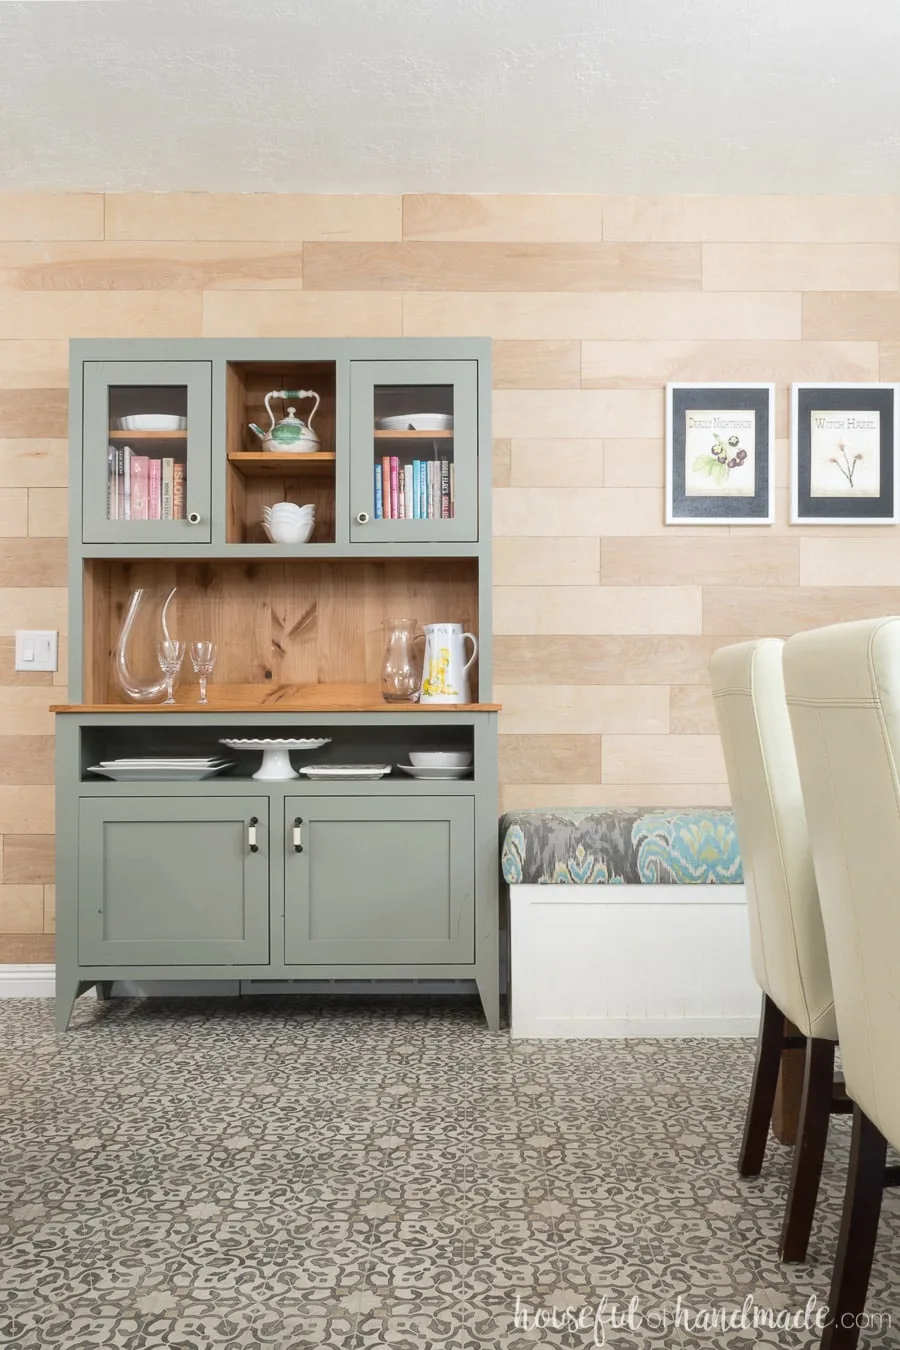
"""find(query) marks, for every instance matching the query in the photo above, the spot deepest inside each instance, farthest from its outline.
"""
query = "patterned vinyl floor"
(290, 1174)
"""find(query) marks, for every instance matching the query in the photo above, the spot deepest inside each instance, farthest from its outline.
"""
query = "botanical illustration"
(719, 453)
(845, 454)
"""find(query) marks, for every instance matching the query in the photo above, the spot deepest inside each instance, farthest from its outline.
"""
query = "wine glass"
(170, 654)
(203, 658)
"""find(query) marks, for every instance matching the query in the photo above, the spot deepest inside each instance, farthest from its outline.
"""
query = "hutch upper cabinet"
(147, 452)
(306, 878)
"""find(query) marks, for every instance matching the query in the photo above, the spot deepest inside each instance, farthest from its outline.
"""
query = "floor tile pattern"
(294, 1174)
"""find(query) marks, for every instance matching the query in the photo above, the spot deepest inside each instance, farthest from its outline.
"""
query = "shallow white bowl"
(284, 534)
(152, 422)
(440, 759)
(307, 513)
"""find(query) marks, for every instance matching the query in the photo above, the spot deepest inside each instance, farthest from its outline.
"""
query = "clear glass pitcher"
(401, 670)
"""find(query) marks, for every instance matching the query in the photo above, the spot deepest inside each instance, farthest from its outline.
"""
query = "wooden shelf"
(287, 698)
(148, 435)
(414, 435)
(282, 464)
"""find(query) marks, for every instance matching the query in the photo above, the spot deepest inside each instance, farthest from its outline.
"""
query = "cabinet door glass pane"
(147, 459)
(415, 474)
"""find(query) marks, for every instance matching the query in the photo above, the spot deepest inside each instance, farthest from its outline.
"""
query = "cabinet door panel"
(380, 882)
(173, 881)
(428, 477)
(146, 438)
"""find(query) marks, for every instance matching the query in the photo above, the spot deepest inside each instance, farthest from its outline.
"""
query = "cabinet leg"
(489, 993)
(104, 990)
(68, 987)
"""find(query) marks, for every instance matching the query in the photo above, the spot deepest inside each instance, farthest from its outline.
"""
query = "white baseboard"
(620, 961)
(27, 981)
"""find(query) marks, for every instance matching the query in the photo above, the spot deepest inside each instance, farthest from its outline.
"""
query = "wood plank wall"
(605, 618)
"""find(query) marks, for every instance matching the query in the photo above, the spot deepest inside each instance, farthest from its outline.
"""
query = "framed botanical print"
(719, 441)
(843, 446)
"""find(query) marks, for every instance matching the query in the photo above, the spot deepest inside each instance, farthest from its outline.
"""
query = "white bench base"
(616, 961)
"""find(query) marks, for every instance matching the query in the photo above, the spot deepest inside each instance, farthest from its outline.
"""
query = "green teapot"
(291, 433)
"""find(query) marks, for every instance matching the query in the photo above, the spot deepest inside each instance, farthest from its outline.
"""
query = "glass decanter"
(401, 673)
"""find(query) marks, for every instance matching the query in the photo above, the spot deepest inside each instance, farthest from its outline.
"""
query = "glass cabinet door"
(146, 452)
(413, 451)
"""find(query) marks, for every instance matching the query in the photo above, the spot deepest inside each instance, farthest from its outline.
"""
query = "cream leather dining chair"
(787, 940)
(843, 692)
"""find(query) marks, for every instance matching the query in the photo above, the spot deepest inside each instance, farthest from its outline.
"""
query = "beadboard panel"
(606, 618)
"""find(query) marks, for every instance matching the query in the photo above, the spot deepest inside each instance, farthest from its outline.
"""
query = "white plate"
(160, 774)
(435, 773)
(417, 422)
(259, 743)
(146, 763)
(346, 770)
(152, 422)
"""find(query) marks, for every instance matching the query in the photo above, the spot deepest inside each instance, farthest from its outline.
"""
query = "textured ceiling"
(451, 95)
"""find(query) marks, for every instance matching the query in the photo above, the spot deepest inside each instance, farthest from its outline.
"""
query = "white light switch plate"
(36, 649)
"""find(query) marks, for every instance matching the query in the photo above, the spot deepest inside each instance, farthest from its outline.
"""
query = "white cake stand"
(276, 764)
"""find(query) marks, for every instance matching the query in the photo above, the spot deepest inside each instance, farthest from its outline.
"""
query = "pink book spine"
(154, 490)
(139, 503)
(395, 487)
(386, 487)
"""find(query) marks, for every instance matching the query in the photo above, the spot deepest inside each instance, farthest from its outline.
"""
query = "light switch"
(36, 650)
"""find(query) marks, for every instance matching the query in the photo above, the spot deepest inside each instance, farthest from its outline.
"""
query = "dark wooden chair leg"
(859, 1229)
(809, 1151)
(762, 1092)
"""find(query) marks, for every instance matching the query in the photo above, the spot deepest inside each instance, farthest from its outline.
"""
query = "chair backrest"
(787, 938)
(843, 692)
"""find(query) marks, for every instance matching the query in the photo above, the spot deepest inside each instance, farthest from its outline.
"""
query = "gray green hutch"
(236, 878)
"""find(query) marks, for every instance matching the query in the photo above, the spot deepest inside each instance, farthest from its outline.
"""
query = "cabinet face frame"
(365, 378)
(98, 378)
(373, 898)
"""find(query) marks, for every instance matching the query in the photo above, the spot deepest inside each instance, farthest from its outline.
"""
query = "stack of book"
(140, 487)
(420, 490)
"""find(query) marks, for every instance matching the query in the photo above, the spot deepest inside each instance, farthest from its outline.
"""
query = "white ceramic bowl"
(286, 512)
(289, 534)
(152, 422)
(440, 759)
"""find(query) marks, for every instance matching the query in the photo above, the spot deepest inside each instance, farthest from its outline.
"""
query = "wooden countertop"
(280, 698)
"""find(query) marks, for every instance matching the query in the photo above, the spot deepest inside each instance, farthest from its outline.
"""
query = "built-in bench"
(627, 923)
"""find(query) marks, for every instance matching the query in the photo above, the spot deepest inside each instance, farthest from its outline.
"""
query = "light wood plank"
(95, 314)
(501, 267)
(503, 217)
(33, 562)
(634, 462)
(25, 711)
(245, 216)
(49, 909)
(533, 709)
(585, 610)
(28, 859)
(779, 611)
(550, 462)
(663, 759)
(33, 607)
(739, 219)
(26, 411)
(844, 315)
(557, 758)
(51, 215)
(501, 461)
(889, 361)
(546, 562)
(578, 412)
(21, 909)
(27, 949)
(671, 560)
(113, 265)
(592, 660)
(13, 512)
(589, 511)
(641, 365)
(42, 363)
(25, 759)
(48, 513)
(692, 711)
(862, 561)
(34, 463)
(9, 675)
(614, 315)
(531, 796)
(26, 810)
(536, 365)
(801, 267)
(301, 314)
